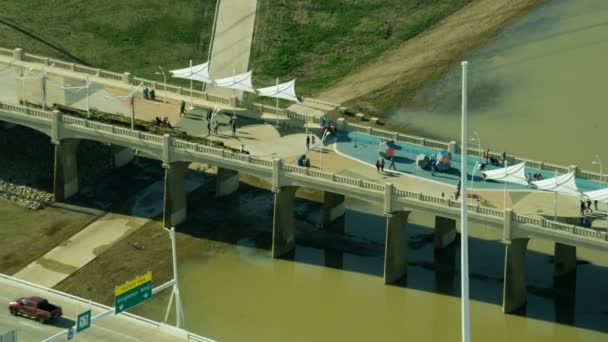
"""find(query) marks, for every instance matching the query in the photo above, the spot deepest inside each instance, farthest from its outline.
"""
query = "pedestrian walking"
(589, 206)
(313, 139)
(208, 127)
(392, 164)
(182, 108)
(215, 127)
(583, 209)
(234, 128)
(595, 204)
(308, 142)
(382, 164)
(377, 166)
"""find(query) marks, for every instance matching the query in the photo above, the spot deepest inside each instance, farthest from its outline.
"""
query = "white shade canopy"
(512, 174)
(597, 195)
(196, 73)
(285, 91)
(563, 184)
(237, 82)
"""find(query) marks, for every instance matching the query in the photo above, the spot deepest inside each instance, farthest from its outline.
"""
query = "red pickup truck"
(37, 308)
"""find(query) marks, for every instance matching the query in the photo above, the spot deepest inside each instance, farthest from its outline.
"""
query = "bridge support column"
(283, 237)
(514, 294)
(121, 156)
(565, 260)
(65, 173)
(333, 212)
(395, 264)
(445, 231)
(174, 201)
(564, 282)
(227, 182)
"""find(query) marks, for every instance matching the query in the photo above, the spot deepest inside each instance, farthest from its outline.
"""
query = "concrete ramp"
(232, 39)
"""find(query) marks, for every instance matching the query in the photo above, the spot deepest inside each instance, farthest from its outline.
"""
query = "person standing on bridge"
(392, 164)
(589, 210)
(182, 108)
(308, 142)
(377, 166)
(234, 128)
(382, 164)
(583, 209)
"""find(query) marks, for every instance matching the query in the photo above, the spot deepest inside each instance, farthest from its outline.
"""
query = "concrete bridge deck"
(390, 195)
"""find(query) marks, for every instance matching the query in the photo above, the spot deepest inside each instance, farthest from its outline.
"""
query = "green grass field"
(316, 41)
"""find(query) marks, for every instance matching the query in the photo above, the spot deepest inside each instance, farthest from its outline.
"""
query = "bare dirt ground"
(389, 80)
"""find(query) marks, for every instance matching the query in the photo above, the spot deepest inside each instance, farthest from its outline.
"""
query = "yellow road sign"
(133, 284)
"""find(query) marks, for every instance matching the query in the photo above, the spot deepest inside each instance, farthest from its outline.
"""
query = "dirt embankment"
(394, 77)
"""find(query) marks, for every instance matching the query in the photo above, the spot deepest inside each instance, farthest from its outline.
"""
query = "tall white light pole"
(131, 96)
(598, 162)
(277, 105)
(164, 80)
(464, 239)
(179, 312)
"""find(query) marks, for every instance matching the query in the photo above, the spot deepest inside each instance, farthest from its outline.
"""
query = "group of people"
(536, 177)
(310, 139)
(492, 160)
(586, 207)
(149, 94)
(304, 161)
(380, 164)
(164, 122)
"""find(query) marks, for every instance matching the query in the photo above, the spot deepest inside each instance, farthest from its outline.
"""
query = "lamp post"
(598, 161)
(478, 143)
(164, 80)
(464, 243)
(327, 133)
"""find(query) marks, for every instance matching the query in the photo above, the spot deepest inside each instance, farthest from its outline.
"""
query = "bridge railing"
(6, 52)
(305, 172)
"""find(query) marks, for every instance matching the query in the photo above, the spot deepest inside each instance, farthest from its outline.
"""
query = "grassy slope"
(133, 35)
(316, 41)
(321, 41)
(26, 235)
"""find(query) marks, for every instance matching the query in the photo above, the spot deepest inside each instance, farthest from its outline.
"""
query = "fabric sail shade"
(564, 184)
(511, 174)
(198, 73)
(597, 195)
(237, 82)
(285, 91)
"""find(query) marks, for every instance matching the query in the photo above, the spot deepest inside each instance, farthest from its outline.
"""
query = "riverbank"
(394, 78)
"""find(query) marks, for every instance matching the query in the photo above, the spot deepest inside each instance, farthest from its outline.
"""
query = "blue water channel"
(364, 148)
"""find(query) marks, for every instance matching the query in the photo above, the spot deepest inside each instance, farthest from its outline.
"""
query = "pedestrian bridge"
(384, 199)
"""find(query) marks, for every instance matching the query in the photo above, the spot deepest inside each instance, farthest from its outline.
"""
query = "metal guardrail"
(266, 165)
(141, 320)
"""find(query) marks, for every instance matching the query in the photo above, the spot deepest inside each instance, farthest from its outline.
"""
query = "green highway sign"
(83, 321)
(132, 293)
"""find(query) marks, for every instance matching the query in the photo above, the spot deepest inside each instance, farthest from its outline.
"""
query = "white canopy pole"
(464, 243)
(191, 97)
(277, 107)
(233, 99)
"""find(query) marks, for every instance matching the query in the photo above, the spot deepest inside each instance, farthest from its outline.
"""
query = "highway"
(110, 328)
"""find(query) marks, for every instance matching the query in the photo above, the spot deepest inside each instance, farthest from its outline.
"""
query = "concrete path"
(86, 245)
(233, 36)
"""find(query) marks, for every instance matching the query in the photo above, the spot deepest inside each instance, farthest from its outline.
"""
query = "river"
(537, 92)
(543, 79)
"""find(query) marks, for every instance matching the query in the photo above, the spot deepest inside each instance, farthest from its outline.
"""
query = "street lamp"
(131, 97)
(598, 161)
(164, 80)
(478, 139)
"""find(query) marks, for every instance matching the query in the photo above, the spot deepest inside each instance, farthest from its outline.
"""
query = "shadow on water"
(245, 219)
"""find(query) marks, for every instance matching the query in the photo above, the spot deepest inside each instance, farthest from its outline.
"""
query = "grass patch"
(319, 42)
(26, 235)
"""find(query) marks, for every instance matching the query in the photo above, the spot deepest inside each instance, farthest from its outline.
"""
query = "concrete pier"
(174, 202)
(65, 173)
(514, 294)
(565, 260)
(395, 264)
(227, 182)
(121, 156)
(283, 237)
(333, 212)
(445, 231)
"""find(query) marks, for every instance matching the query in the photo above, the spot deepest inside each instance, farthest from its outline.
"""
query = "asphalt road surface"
(110, 328)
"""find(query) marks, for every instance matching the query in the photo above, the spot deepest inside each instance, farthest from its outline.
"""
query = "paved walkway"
(86, 245)
(232, 41)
